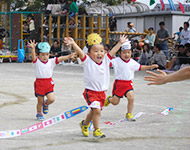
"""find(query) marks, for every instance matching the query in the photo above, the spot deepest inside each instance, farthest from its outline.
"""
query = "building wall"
(144, 21)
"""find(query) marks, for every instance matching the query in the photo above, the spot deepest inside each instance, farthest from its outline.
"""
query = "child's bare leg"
(40, 104)
(88, 117)
(114, 100)
(95, 117)
(50, 98)
(130, 97)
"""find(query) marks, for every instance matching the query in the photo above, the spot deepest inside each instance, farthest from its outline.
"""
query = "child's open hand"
(123, 39)
(32, 44)
(73, 56)
(68, 41)
(154, 66)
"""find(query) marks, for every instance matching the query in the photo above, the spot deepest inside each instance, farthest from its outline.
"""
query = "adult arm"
(162, 78)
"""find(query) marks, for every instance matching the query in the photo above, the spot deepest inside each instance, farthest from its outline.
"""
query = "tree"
(36, 5)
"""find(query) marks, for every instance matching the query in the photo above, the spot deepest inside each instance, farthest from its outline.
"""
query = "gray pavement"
(149, 132)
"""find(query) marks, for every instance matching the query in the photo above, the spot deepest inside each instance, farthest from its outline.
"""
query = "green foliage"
(110, 2)
(24, 5)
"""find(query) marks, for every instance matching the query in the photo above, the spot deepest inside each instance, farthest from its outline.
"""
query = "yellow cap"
(94, 39)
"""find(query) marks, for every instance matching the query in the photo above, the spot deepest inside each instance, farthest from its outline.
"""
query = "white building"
(142, 16)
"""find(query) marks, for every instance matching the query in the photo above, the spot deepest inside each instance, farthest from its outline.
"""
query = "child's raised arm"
(146, 67)
(70, 41)
(118, 45)
(63, 58)
(32, 45)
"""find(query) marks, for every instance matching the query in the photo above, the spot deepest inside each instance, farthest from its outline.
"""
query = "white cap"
(126, 45)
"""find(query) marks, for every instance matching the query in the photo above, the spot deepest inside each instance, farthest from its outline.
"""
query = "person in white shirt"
(31, 25)
(185, 34)
(96, 78)
(43, 66)
(124, 69)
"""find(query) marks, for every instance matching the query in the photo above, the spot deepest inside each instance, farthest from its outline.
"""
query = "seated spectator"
(145, 55)
(136, 49)
(180, 59)
(159, 57)
(73, 8)
(178, 35)
(131, 28)
(107, 48)
(55, 50)
(150, 38)
(185, 34)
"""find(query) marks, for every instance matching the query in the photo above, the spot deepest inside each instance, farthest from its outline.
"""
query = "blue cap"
(44, 47)
(111, 14)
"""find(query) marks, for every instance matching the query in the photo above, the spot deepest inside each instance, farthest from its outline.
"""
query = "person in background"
(112, 22)
(178, 34)
(185, 34)
(180, 59)
(31, 27)
(159, 57)
(145, 55)
(131, 28)
(163, 37)
(136, 50)
(55, 50)
(73, 9)
(150, 38)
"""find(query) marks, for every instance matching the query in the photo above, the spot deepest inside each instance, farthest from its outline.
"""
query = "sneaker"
(107, 102)
(130, 116)
(84, 128)
(45, 108)
(39, 117)
(98, 133)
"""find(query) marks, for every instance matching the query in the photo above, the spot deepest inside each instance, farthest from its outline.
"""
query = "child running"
(43, 66)
(96, 78)
(124, 69)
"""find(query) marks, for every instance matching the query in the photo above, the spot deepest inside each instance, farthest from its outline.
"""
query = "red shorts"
(121, 87)
(91, 96)
(43, 87)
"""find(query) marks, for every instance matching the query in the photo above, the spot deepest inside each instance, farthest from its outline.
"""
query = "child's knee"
(51, 100)
(96, 111)
(115, 100)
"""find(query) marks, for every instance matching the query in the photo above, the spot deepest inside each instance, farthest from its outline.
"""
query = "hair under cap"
(44, 47)
(126, 45)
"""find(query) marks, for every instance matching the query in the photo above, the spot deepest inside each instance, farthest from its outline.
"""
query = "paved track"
(149, 132)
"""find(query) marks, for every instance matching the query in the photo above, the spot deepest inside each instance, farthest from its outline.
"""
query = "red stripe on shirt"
(140, 68)
(35, 61)
(56, 60)
(83, 59)
(109, 56)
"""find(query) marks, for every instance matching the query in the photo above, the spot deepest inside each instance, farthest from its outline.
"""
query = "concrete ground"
(149, 132)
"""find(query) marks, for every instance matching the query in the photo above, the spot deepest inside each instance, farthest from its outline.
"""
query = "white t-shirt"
(96, 76)
(44, 70)
(125, 70)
